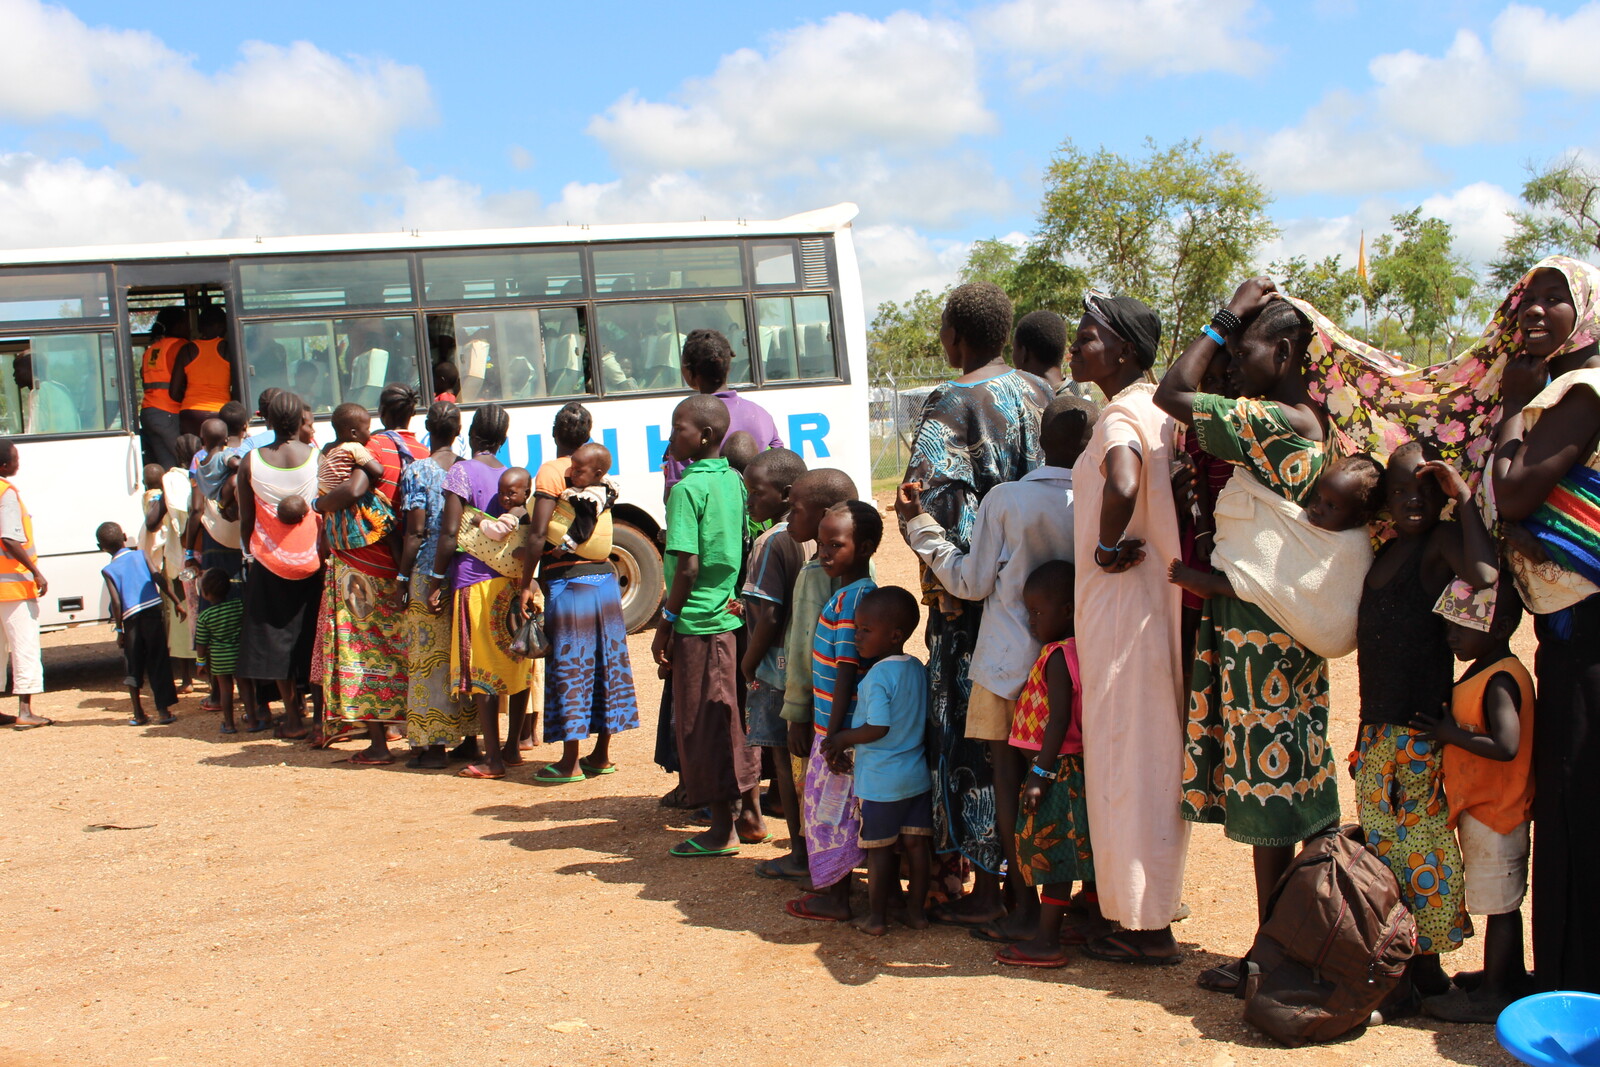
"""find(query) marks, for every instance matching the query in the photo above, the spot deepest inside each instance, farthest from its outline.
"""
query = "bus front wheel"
(639, 574)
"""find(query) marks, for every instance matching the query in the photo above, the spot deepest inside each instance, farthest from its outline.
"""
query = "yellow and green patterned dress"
(1256, 755)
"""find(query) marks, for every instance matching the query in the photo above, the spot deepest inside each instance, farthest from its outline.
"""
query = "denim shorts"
(762, 707)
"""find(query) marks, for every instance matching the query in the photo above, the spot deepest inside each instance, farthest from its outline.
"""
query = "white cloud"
(899, 261)
(848, 82)
(1462, 97)
(1155, 37)
(1477, 217)
(1549, 50)
(294, 111)
(1335, 149)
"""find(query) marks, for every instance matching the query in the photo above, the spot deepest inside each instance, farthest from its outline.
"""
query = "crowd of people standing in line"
(1214, 530)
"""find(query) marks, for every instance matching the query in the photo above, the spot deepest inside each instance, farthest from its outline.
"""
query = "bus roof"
(822, 220)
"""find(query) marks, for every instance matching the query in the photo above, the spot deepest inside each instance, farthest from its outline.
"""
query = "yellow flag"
(1361, 258)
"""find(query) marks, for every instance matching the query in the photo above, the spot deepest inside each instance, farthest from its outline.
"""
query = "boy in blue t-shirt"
(887, 731)
(141, 627)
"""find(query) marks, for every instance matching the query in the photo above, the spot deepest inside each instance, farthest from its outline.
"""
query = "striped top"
(217, 631)
(835, 644)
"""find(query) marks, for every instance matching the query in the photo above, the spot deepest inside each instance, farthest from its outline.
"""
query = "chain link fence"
(895, 406)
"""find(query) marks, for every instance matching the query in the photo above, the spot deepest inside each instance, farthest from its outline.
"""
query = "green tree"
(1177, 229)
(1562, 215)
(904, 340)
(1418, 279)
(1327, 286)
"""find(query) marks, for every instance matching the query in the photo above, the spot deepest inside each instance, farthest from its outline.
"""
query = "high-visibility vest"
(16, 581)
(157, 373)
(209, 378)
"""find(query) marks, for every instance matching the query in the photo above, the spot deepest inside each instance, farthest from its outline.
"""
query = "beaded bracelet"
(1226, 321)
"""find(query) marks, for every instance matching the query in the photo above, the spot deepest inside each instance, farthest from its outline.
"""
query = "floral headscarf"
(1376, 402)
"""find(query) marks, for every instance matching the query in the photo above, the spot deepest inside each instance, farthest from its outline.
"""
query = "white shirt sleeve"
(11, 517)
(969, 575)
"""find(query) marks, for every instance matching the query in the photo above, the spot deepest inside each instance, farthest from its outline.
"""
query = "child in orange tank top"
(1487, 742)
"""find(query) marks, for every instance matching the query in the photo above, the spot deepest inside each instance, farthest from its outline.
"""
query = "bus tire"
(639, 574)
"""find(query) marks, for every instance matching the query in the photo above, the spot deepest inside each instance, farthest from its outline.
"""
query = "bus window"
(795, 338)
(698, 266)
(332, 361)
(345, 281)
(641, 345)
(775, 264)
(59, 383)
(514, 355)
(63, 295)
(457, 277)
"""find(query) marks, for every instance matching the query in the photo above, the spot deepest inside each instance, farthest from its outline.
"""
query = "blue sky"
(167, 120)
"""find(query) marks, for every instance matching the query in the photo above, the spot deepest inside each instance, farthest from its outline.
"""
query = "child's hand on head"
(1450, 481)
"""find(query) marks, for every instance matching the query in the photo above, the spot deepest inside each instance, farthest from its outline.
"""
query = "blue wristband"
(1211, 332)
(668, 615)
(1106, 548)
(1041, 772)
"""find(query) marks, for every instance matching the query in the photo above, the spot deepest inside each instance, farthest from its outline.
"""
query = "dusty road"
(267, 904)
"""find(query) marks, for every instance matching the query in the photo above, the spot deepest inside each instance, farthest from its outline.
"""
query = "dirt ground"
(261, 903)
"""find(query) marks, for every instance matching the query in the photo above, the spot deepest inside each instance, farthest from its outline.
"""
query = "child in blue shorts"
(887, 731)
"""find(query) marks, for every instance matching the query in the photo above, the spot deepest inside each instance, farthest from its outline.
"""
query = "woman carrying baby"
(1256, 753)
(589, 683)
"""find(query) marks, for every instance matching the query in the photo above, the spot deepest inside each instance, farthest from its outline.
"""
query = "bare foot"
(511, 755)
(872, 926)
(917, 920)
(966, 912)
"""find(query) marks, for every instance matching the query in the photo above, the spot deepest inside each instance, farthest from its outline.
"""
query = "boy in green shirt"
(696, 642)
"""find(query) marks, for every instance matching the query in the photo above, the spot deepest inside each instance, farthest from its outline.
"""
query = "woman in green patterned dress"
(1256, 755)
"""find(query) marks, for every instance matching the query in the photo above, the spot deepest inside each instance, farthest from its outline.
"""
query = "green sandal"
(595, 771)
(690, 849)
(541, 778)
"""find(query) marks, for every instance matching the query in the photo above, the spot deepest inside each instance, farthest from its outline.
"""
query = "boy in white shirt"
(1019, 526)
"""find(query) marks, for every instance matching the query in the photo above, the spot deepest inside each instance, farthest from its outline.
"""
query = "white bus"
(531, 318)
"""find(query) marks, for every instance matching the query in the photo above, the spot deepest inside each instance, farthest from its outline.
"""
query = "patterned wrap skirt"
(435, 713)
(589, 680)
(480, 641)
(1401, 801)
(360, 657)
(963, 779)
(1256, 755)
(831, 817)
(1053, 842)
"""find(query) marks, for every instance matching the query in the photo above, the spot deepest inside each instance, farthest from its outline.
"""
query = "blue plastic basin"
(1555, 1029)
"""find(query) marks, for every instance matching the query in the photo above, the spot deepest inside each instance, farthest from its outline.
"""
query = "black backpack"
(1334, 945)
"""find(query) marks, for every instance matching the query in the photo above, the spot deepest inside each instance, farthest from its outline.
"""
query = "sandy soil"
(261, 903)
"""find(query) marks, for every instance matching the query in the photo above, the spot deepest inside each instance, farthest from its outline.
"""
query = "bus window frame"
(106, 270)
(771, 288)
(592, 278)
(585, 274)
(238, 309)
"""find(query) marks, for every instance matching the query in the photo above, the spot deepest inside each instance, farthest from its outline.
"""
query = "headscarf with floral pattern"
(1376, 402)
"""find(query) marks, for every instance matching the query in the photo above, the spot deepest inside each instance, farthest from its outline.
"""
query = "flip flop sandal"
(166, 720)
(800, 908)
(132, 722)
(209, 705)
(360, 759)
(940, 917)
(258, 729)
(673, 798)
(226, 729)
(595, 770)
(471, 771)
(690, 849)
(1120, 951)
(541, 778)
(987, 932)
(1223, 978)
(1015, 957)
(46, 722)
(743, 840)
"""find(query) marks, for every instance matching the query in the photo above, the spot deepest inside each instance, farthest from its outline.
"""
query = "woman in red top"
(360, 656)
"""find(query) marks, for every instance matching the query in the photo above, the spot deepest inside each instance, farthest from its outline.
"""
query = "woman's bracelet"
(405, 578)
(1108, 548)
(1049, 776)
(436, 577)
(1211, 332)
(1226, 321)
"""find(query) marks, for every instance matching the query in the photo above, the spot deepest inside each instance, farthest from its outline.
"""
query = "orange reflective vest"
(208, 378)
(158, 373)
(16, 581)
